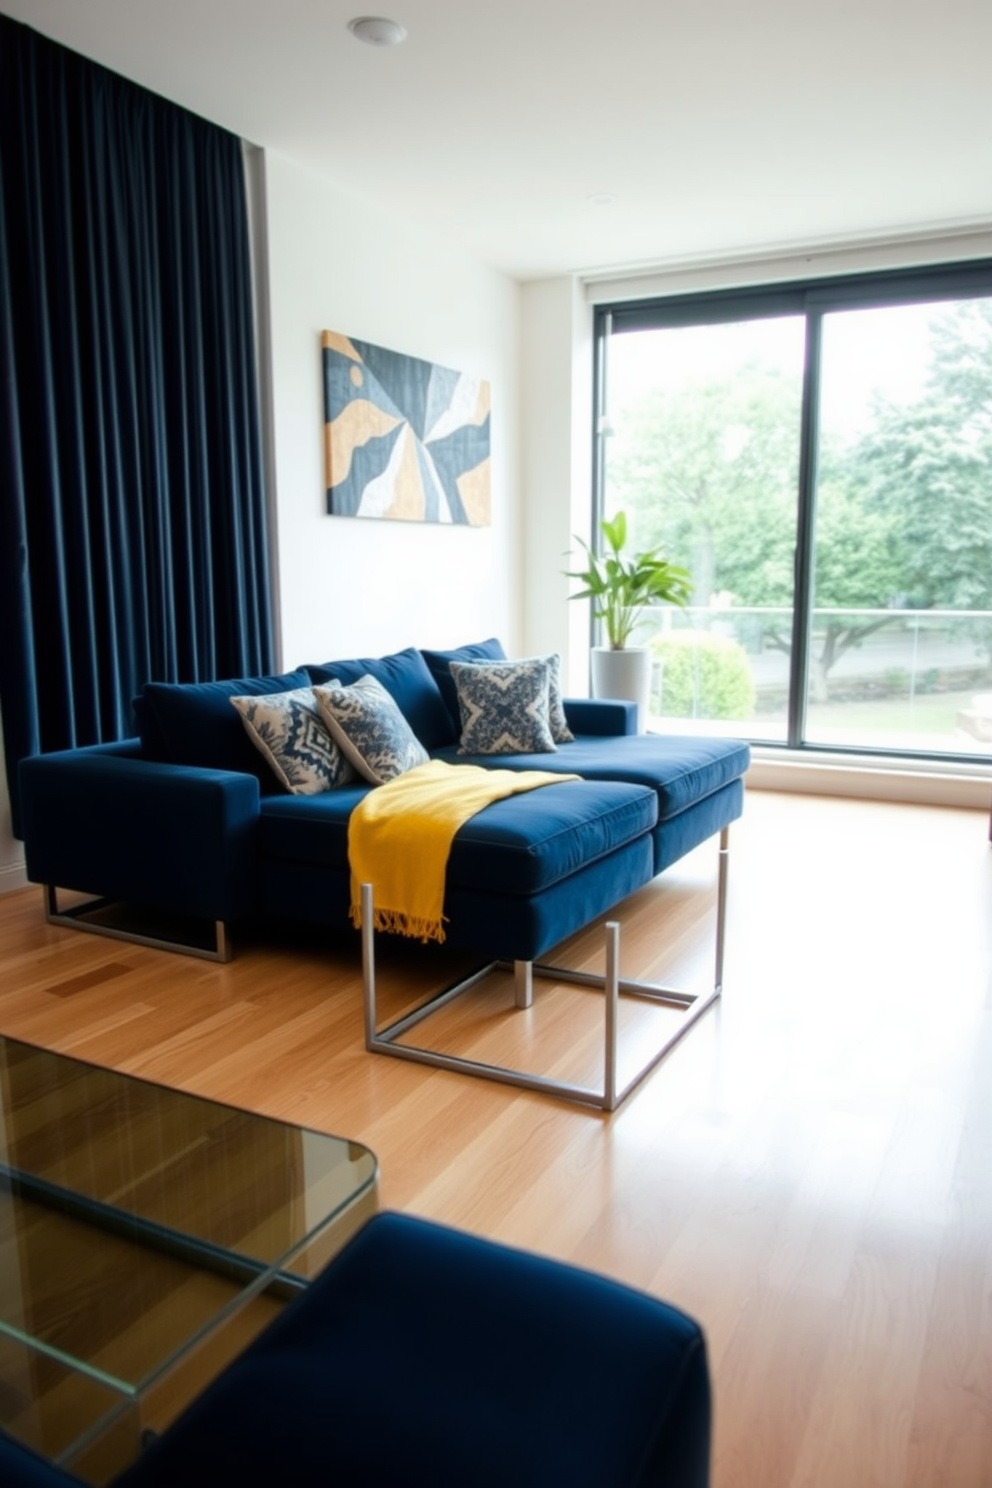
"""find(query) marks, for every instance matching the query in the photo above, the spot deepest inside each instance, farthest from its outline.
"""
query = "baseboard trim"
(12, 877)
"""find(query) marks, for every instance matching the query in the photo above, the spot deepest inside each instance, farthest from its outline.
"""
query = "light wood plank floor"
(809, 1174)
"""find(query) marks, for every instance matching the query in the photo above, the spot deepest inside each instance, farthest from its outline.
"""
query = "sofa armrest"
(106, 821)
(600, 716)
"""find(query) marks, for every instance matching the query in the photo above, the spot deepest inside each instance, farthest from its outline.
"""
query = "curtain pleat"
(132, 510)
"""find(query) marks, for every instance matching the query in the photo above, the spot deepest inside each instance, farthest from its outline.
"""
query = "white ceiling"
(718, 126)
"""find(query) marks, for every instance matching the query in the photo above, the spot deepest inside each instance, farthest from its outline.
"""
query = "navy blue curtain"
(132, 502)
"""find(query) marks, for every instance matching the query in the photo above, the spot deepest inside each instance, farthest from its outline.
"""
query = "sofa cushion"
(525, 843)
(196, 724)
(504, 706)
(408, 681)
(439, 665)
(519, 845)
(367, 725)
(309, 829)
(682, 770)
(287, 730)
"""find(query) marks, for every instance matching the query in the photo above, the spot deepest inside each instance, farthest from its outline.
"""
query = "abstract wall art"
(403, 438)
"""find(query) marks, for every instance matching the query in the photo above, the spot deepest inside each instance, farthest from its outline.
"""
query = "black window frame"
(812, 298)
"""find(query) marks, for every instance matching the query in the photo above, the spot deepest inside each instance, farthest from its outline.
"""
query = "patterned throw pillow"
(286, 728)
(560, 731)
(370, 729)
(504, 706)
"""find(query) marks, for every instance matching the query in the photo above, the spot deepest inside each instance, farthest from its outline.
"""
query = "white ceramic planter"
(624, 674)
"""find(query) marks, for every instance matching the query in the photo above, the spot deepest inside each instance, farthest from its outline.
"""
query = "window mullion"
(802, 614)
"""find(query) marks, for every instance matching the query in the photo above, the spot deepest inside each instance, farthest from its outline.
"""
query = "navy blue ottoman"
(425, 1356)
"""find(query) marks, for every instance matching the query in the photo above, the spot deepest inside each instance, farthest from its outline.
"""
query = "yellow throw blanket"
(400, 835)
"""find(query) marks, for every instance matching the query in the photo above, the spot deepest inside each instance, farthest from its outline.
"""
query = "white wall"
(353, 586)
(556, 469)
(348, 586)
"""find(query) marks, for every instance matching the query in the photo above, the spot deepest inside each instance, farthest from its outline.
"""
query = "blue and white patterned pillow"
(369, 728)
(505, 706)
(286, 728)
(560, 731)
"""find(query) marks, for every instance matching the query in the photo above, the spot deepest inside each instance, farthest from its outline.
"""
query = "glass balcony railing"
(900, 680)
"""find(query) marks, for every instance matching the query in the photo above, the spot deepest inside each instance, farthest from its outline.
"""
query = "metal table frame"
(610, 1096)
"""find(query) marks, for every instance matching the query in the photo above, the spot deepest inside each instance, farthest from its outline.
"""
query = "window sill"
(881, 778)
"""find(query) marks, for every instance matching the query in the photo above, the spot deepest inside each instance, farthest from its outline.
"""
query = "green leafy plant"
(620, 587)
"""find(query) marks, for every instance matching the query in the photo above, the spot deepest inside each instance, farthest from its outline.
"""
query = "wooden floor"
(809, 1173)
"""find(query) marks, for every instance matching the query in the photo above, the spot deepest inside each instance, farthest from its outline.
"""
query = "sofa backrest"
(193, 723)
(439, 666)
(406, 678)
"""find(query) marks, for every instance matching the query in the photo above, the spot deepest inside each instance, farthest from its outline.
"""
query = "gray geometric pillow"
(367, 725)
(504, 706)
(286, 728)
(560, 731)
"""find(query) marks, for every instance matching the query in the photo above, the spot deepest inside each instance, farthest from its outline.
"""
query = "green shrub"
(703, 676)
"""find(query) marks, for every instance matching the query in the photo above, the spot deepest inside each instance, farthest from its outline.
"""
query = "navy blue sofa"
(188, 817)
(424, 1355)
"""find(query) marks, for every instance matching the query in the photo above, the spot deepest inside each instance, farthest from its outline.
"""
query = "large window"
(820, 459)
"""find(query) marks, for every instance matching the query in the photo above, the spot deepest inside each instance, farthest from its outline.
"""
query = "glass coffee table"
(146, 1236)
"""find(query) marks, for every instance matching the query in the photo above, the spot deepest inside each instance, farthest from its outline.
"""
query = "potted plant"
(619, 588)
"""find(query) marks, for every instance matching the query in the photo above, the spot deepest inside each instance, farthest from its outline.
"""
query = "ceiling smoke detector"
(377, 31)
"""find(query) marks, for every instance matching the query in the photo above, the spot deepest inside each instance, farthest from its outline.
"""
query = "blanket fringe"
(395, 922)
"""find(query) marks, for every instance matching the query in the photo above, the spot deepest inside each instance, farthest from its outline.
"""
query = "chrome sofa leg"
(76, 918)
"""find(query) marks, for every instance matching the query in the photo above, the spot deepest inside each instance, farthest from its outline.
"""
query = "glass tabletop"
(145, 1237)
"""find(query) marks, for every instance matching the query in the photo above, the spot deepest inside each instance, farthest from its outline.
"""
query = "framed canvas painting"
(403, 438)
